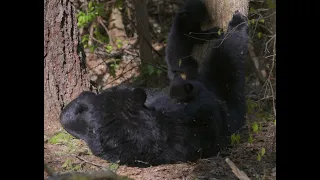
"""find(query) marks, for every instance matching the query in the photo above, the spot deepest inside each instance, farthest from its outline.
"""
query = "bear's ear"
(188, 87)
(140, 95)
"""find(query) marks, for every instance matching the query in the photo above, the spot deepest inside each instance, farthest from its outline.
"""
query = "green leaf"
(220, 32)
(252, 10)
(85, 38)
(119, 44)
(261, 20)
(90, 5)
(259, 157)
(260, 126)
(67, 163)
(250, 139)
(114, 167)
(235, 138)
(119, 4)
(255, 127)
(263, 151)
(158, 72)
(259, 35)
(92, 48)
(61, 137)
(271, 4)
(253, 21)
(150, 69)
(77, 167)
(108, 48)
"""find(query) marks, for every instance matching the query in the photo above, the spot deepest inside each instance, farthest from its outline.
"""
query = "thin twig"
(228, 34)
(121, 75)
(100, 20)
(88, 161)
(267, 97)
(149, 43)
(266, 49)
(91, 34)
(260, 71)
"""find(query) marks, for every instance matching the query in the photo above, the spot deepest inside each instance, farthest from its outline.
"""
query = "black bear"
(185, 32)
(223, 72)
(117, 126)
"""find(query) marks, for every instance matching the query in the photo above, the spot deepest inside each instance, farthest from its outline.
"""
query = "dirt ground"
(63, 153)
(244, 155)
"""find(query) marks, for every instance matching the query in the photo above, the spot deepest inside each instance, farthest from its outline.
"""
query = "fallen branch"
(86, 161)
(240, 174)
(100, 20)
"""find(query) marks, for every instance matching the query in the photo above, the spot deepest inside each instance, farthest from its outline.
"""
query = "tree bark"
(64, 78)
(143, 31)
(221, 12)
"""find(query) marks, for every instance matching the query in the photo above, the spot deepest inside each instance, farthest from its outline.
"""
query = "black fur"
(184, 35)
(120, 127)
(222, 72)
(117, 125)
(225, 68)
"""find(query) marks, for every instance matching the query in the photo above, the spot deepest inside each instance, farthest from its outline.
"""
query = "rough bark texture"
(64, 79)
(143, 30)
(221, 12)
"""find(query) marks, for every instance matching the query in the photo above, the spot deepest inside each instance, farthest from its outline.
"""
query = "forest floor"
(63, 153)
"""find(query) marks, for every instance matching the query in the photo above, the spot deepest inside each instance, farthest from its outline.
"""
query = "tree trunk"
(64, 79)
(221, 12)
(143, 31)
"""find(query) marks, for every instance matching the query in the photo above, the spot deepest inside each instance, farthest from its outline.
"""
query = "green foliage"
(263, 151)
(259, 157)
(113, 167)
(119, 4)
(220, 32)
(158, 72)
(60, 137)
(261, 154)
(113, 67)
(92, 48)
(84, 40)
(151, 70)
(119, 43)
(256, 127)
(235, 139)
(97, 34)
(259, 35)
(69, 165)
(85, 18)
(271, 4)
(252, 106)
(250, 139)
(94, 10)
(253, 10)
(108, 48)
